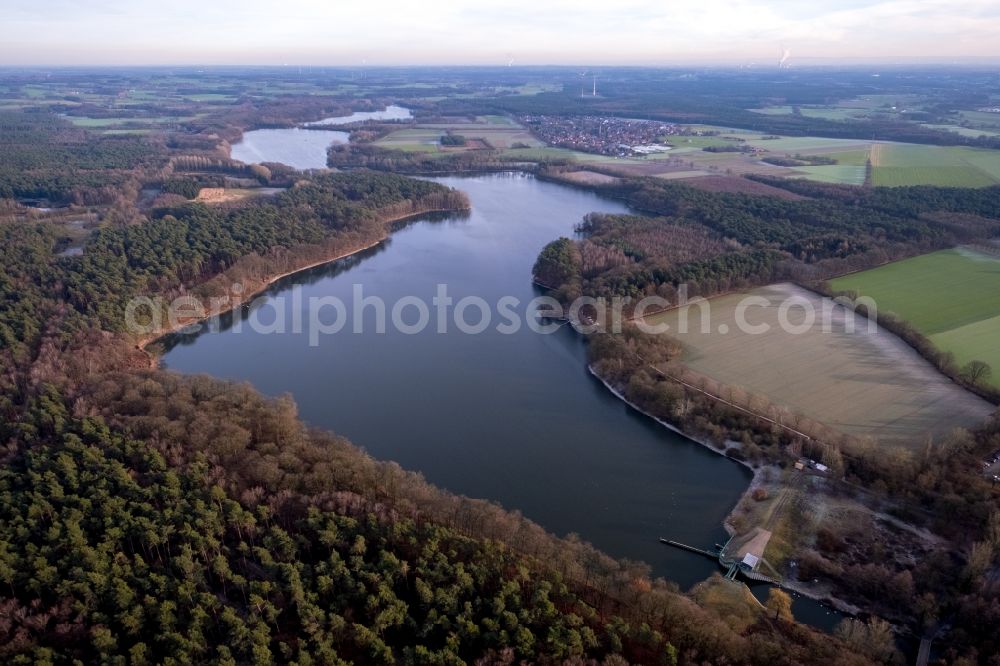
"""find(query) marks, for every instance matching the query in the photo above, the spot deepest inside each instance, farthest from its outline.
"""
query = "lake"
(304, 148)
(514, 418)
(391, 112)
(296, 147)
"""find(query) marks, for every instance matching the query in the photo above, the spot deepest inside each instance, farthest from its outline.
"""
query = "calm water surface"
(511, 418)
(296, 147)
(391, 112)
(304, 148)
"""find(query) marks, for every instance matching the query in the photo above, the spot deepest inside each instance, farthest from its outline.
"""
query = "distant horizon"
(638, 33)
(800, 64)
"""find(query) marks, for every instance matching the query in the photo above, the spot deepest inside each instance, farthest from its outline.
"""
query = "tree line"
(716, 241)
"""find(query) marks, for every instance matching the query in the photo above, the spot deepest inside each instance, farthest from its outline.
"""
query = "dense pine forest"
(160, 519)
(149, 517)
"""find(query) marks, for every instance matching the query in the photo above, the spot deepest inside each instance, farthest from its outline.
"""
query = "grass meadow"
(952, 297)
(952, 166)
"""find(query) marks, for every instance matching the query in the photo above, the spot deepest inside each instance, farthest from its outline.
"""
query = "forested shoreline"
(189, 249)
(713, 243)
(149, 517)
(254, 273)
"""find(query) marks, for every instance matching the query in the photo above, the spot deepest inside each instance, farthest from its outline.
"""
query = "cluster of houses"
(619, 137)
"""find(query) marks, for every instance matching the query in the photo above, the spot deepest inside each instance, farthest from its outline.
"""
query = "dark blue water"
(513, 418)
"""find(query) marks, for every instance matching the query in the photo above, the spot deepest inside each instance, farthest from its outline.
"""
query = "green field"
(862, 382)
(857, 157)
(797, 143)
(498, 120)
(136, 132)
(964, 131)
(952, 297)
(499, 132)
(97, 123)
(774, 110)
(951, 176)
(955, 166)
(696, 143)
(411, 140)
(895, 164)
(826, 112)
(981, 119)
(210, 97)
(835, 173)
(529, 154)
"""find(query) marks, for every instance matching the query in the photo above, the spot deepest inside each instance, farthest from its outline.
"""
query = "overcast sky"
(406, 32)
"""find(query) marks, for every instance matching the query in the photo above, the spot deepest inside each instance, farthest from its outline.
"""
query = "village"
(618, 137)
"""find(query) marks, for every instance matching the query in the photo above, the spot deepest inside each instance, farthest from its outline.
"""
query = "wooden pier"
(684, 546)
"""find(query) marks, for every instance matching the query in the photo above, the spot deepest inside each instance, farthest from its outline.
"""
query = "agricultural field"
(542, 153)
(882, 102)
(981, 119)
(503, 134)
(973, 132)
(834, 173)
(866, 106)
(585, 177)
(826, 112)
(676, 175)
(498, 120)
(804, 143)
(411, 140)
(689, 157)
(898, 164)
(895, 163)
(685, 143)
(865, 382)
(101, 123)
(529, 89)
(857, 157)
(498, 132)
(952, 297)
(210, 97)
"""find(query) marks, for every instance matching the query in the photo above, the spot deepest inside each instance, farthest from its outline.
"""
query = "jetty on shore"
(742, 555)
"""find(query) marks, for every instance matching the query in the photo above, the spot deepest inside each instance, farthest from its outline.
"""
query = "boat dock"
(684, 546)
